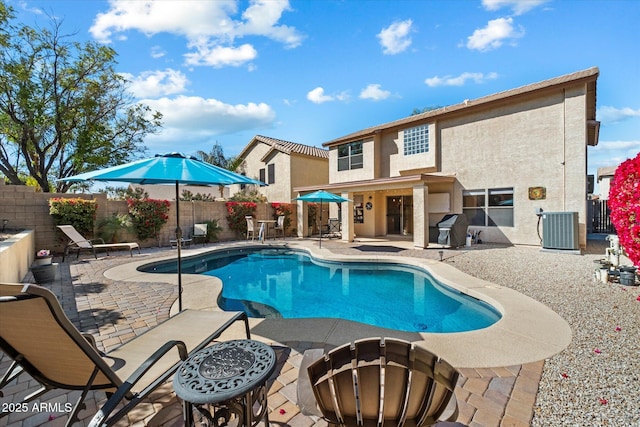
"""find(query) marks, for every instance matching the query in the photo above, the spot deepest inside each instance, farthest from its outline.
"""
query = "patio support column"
(302, 218)
(421, 216)
(347, 230)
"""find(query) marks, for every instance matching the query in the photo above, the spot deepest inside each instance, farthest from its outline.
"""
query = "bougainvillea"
(624, 203)
(148, 216)
(236, 212)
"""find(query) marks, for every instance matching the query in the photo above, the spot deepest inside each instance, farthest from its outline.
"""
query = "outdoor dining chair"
(199, 233)
(377, 382)
(42, 341)
(279, 227)
(252, 229)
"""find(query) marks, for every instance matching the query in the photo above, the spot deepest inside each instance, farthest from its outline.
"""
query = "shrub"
(111, 227)
(78, 212)
(148, 216)
(624, 202)
(236, 212)
(212, 230)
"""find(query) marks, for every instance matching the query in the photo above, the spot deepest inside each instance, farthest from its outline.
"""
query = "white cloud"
(191, 117)
(608, 114)
(210, 27)
(612, 153)
(317, 96)
(156, 83)
(494, 34)
(157, 52)
(219, 56)
(395, 38)
(517, 6)
(374, 92)
(460, 80)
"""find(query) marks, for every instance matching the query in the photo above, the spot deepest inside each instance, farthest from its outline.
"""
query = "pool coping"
(528, 331)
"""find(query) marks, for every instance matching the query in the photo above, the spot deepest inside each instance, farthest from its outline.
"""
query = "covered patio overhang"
(369, 209)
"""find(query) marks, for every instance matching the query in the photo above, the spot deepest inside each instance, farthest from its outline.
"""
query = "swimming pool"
(291, 284)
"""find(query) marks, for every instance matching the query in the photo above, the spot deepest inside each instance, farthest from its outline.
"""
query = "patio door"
(400, 215)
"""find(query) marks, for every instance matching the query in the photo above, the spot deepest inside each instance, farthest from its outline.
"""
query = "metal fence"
(600, 217)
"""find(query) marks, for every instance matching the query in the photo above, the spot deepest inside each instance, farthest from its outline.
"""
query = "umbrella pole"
(179, 239)
(320, 227)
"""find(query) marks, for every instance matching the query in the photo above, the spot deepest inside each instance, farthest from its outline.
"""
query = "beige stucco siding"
(308, 171)
(366, 172)
(521, 145)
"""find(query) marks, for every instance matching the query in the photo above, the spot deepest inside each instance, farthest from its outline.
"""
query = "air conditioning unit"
(560, 230)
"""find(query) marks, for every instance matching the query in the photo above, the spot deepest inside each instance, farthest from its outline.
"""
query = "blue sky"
(314, 70)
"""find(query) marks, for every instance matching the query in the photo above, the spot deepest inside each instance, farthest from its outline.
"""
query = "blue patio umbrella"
(319, 197)
(168, 168)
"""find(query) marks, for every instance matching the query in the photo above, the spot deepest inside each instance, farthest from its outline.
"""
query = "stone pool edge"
(528, 331)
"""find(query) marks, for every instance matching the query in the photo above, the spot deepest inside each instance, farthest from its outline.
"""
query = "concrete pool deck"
(527, 332)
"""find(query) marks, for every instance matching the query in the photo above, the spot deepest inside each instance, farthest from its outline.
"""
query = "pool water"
(290, 284)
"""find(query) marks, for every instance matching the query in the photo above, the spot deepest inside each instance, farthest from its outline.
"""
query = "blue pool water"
(291, 284)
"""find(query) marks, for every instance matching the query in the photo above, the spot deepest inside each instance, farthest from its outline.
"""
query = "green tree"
(63, 108)
(216, 157)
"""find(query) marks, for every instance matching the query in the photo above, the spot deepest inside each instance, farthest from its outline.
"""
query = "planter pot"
(44, 273)
(42, 260)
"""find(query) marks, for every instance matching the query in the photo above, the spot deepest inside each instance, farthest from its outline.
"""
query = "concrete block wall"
(24, 208)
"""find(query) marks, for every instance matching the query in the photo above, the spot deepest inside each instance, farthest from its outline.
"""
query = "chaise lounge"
(77, 243)
(42, 341)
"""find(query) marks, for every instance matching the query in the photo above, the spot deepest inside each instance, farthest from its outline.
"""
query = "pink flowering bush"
(624, 203)
(148, 216)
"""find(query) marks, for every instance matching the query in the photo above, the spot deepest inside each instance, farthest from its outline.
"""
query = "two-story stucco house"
(495, 159)
(283, 165)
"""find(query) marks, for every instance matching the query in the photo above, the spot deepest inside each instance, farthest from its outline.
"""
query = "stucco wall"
(539, 142)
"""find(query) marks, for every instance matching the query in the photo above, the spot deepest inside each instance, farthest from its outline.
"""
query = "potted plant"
(43, 257)
(43, 269)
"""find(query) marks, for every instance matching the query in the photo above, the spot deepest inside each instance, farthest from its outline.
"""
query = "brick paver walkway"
(114, 312)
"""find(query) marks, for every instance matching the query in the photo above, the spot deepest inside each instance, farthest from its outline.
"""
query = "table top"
(223, 371)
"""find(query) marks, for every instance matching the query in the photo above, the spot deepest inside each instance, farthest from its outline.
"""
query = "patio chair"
(42, 341)
(199, 233)
(279, 227)
(78, 243)
(252, 229)
(378, 381)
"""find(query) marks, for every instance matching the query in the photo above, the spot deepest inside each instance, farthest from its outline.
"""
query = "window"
(416, 140)
(350, 156)
(492, 207)
(272, 173)
(262, 175)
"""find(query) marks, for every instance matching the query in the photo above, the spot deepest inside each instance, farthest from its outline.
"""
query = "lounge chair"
(78, 243)
(42, 341)
(375, 381)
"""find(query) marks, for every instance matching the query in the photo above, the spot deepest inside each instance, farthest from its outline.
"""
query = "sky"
(309, 71)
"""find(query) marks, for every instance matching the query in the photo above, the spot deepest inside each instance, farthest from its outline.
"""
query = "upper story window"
(263, 176)
(416, 140)
(491, 208)
(350, 156)
(271, 169)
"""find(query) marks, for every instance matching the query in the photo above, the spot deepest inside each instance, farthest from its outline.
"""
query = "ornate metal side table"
(224, 379)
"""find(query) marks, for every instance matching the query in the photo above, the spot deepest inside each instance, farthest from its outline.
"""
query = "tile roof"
(588, 75)
(289, 147)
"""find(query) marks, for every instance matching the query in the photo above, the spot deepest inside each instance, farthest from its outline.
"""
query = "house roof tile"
(288, 147)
